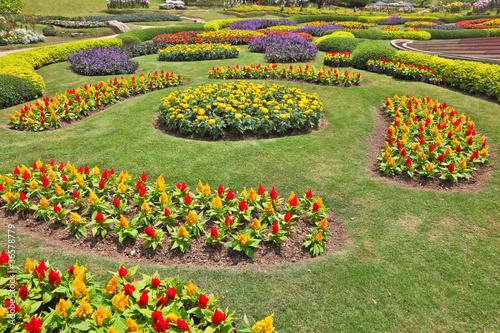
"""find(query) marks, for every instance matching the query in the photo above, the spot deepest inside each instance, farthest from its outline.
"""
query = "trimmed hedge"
(148, 34)
(15, 90)
(311, 18)
(469, 76)
(494, 32)
(339, 44)
(414, 35)
(24, 63)
(370, 49)
(371, 19)
(365, 34)
(215, 25)
(454, 19)
(456, 34)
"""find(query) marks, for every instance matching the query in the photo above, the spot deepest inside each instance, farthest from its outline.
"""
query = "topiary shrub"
(49, 30)
(370, 49)
(15, 90)
(337, 34)
(364, 34)
(130, 40)
(338, 44)
(493, 32)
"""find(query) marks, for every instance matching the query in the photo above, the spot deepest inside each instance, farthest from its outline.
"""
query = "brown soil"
(377, 144)
(198, 254)
(159, 126)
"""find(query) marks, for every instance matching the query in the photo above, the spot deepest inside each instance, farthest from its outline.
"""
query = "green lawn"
(412, 260)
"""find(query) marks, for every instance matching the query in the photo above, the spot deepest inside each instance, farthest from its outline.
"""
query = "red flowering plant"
(277, 234)
(287, 222)
(317, 210)
(153, 238)
(214, 237)
(125, 229)
(100, 224)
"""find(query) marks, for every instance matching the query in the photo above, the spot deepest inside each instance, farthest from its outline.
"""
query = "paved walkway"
(475, 49)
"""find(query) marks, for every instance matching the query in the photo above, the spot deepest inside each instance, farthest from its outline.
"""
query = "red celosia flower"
(161, 325)
(261, 189)
(431, 147)
(167, 212)
(64, 178)
(276, 228)
(171, 293)
(54, 277)
(99, 217)
(11, 306)
(23, 292)
(155, 282)
(294, 201)
(4, 258)
(470, 141)
(273, 194)
(390, 140)
(128, 289)
(102, 183)
(213, 232)
(17, 171)
(42, 266)
(316, 207)
(71, 269)
(450, 134)
(80, 169)
(228, 220)
(243, 205)
(143, 177)
(187, 199)
(400, 146)
(202, 301)
(181, 187)
(230, 195)
(22, 196)
(45, 181)
(57, 209)
(116, 202)
(218, 317)
(288, 217)
(459, 149)
(34, 325)
(142, 191)
(403, 152)
(309, 194)
(451, 168)
(144, 299)
(35, 166)
(86, 170)
(150, 232)
(220, 190)
(440, 158)
(408, 162)
(156, 315)
(2, 188)
(162, 301)
(76, 195)
(182, 325)
(122, 271)
(139, 185)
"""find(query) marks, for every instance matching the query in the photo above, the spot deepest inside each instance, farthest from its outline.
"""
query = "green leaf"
(84, 326)
(46, 298)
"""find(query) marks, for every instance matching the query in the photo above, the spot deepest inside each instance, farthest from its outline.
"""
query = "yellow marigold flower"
(211, 121)
(206, 190)
(242, 239)
(34, 185)
(8, 181)
(264, 326)
(62, 306)
(269, 210)
(120, 301)
(191, 289)
(79, 180)
(112, 330)
(52, 175)
(238, 116)
(256, 225)
(58, 190)
(100, 314)
(484, 152)
(76, 218)
(173, 318)
(29, 266)
(217, 202)
(164, 198)
(200, 186)
(84, 309)
(323, 224)
(111, 287)
(145, 208)
(182, 232)
(319, 237)
(132, 325)
(192, 218)
(122, 188)
(44, 203)
(93, 198)
(79, 287)
(252, 196)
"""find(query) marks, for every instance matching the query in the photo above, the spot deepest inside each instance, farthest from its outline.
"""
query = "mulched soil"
(377, 144)
(199, 253)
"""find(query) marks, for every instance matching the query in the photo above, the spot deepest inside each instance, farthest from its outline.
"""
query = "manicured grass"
(412, 260)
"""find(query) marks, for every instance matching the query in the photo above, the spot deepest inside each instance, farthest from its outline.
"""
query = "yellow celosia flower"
(319, 201)
(8, 181)
(191, 289)
(386, 154)
(164, 198)
(93, 198)
(448, 152)
(112, 330)
(75, 218)
(84, 309)
(79, 287)
(182, 232)
(62, 306)
(78, 270)
(34, 185)
(269, 210)
(256, 225)
(100, 314)
(132, 325)
(44, 203)
(122, 188)
(484, 152)
(123, 222)
(422, 156)
(120, 301)
(39, 164)
(96, 171)
(482, 140)
(252, 196)
(206, 190)
(79, 180)
(58, 190)
(463, 164)
(264, 326)
(111, 287)
(192, 218)
(173, 318)
(3, 312)
(292, 195)
(319, 237)
(390, 161)
(200, 186)
(160, 184)
(8, 197)
(242, 239)
(429, 167)
(145, 208)
(29, 266)
(323, 224)
(123, 177)
(217, 202)
(244, 193)
(52, 175)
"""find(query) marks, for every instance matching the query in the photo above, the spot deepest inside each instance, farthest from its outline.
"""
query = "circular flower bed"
(256, 24)
(240, 107)
(284, 48)
(193, 52)
(102, 61)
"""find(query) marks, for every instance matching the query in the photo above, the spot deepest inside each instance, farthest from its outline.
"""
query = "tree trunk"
(186, 2)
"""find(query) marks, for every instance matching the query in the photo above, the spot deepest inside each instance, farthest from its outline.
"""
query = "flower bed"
(346, 24)
(430, 139)
(77, 103)
(234, 37)
(288, 48)
(240, 107)
(271, 71)
(337, 59)
(283, 28)
(318, 30)
(124, 18)
(404, 71)
(484, 23)
(73, 24)
(195, 52)
(309, 37)
(240, 221)
(69, 300)
(102, 61)
(20, 36)
(256, 24)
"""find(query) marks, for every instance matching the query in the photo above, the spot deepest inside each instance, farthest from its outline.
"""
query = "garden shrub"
(457, 34)
(365, 34)
(107, 61)
(134, 18)
(318, 30)
(311, 18)
(339, 44)
(148, 34)
(370, 49)
(494, 32)
(219, 24)
(49, 30)
(137, 50)
(371, 19)
(470, 76)
(15, 90)
(414, 35)
(337, 34)
(130, 40)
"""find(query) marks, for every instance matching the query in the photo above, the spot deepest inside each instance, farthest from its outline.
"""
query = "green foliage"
(310, 18)
(148, 34)
(357, 3)
(457, 34)
(336, 34)
(494, 32)
(11, 6)
(455, 18)
(370, 49)
(130, 40)
(49, 30)
(215, 25)
(15, 90)
(365, 34)
(371, 19)
(415, 35)
(339, 44)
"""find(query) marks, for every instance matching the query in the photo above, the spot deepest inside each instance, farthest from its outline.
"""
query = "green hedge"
(219, 24)
(469, 76)
(148, 34)
(370, 49)
(454, 19)
(15, 90)
(494, 32)
(372, 19)
(414, 35)
(311, 18)
(338, 44)
(457, 34)
(365, 34)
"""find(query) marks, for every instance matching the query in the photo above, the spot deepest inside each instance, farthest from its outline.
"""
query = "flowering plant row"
(234, 37)
(271, 71)
(346, 24)
(337, 59)
(194, 52)
(20, 36)
(307, 36)
(61, 193)
(284, 48)
(45, 299)
(484, 23)
(240, 107)
(403, 71)
(282, 28)
(76, 103)
(429, 138)
(73, 24)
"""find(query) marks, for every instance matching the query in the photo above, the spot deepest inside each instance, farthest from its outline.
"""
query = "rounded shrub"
(49, 30)
(15, 90)
(131, 40)
(338, 44)
(370, 49)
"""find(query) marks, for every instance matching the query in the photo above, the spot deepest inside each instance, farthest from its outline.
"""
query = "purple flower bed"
(394, 20)
(318, 31)
(284, 48)
(102, 61)
(257, 24)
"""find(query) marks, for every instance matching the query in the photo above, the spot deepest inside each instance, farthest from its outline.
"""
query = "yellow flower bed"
(231, 36)
(283, 28)
(346, 24)
(193, 52)
(411, 24)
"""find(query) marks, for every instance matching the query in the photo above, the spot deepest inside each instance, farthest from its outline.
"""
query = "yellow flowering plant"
(180, 238)
(196, 52)
(261, 326)
(243, 242)
(125, 229)
(77, 225)
(194, 223)
(146, 214)
(43, 210)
